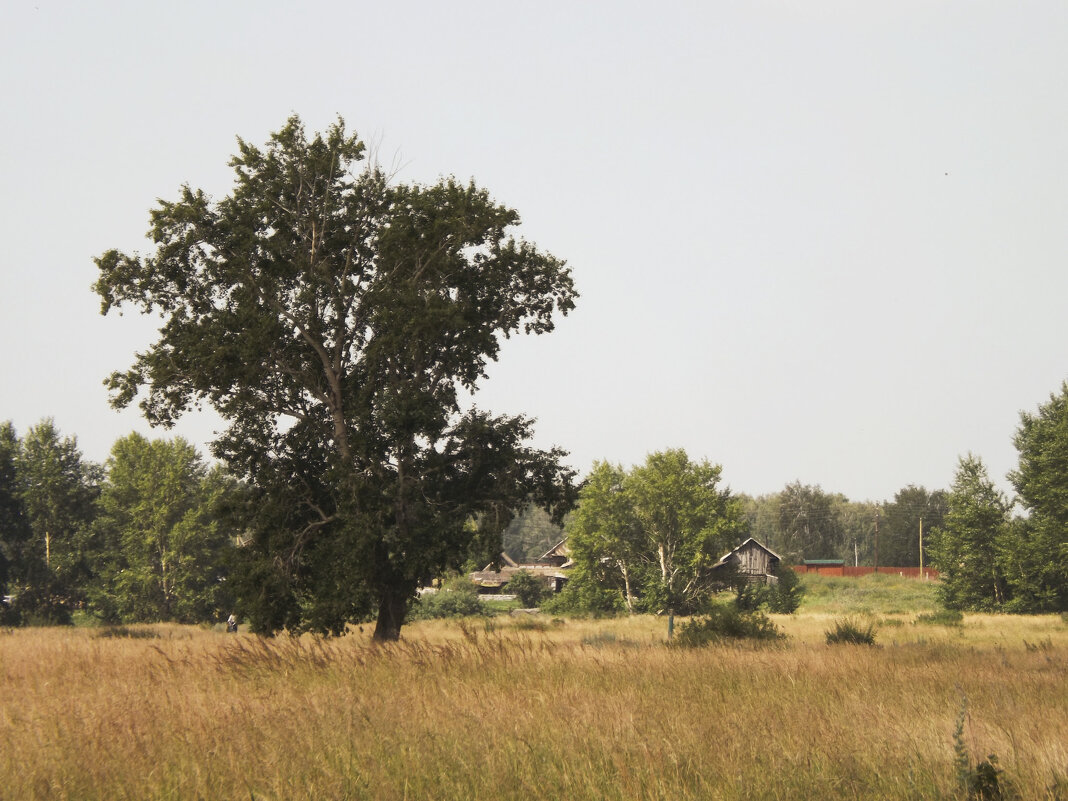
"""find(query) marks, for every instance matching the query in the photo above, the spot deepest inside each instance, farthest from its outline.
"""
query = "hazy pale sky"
(819, 241)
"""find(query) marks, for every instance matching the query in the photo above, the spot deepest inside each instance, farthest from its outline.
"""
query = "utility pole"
(921, 546)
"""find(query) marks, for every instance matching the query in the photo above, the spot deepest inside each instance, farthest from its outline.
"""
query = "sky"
(818, 241)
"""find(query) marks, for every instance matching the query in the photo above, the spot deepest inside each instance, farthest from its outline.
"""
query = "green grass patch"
(877, 594)
(941, 617)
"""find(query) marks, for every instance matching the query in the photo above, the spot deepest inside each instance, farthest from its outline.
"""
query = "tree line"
(140, 538)
(154, 534)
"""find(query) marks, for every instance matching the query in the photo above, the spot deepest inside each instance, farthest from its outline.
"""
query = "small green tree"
(787, 593)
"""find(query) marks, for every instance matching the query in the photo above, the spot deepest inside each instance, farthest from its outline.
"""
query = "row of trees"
(150, 534)
(804, 522)
(138, 539)
(991, 559)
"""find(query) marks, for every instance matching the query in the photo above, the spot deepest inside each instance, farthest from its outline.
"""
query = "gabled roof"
(724, 559)
(558, 550)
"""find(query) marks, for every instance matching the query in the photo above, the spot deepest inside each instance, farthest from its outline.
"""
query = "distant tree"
(857, 525)
(762, 517)
(900, 530)
(161, 548)
(1035, 557)
(532, 533)
(966, 547)
(654, 534)
(57, 489)
(809, 527)
(14, 529)
(334, 320)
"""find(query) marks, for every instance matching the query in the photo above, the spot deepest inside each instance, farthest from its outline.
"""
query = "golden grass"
(521, 709)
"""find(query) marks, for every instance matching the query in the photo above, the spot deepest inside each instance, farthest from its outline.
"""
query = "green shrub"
(750, 596)
(582, 596)
(943, 617)
(850, 631)
(785, 595)
(531, 590)
(456, 601)
(726, 622)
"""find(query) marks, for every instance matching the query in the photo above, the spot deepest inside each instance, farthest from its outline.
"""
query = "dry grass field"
(520, 708)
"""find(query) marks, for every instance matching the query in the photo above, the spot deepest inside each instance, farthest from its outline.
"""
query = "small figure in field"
(231, 624)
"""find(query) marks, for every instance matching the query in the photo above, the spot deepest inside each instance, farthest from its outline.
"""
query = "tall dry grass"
(516, 709)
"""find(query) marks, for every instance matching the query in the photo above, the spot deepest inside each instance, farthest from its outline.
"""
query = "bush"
(531, 590)
(455, 599)
(785, 596)
(583, 596)
(749, 596)
(726, 622)
(850, 631)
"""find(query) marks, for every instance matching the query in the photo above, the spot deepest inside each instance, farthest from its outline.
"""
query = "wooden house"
(751, 561)
(552, 566)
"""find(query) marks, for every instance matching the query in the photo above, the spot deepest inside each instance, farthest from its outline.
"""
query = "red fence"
(928, 573)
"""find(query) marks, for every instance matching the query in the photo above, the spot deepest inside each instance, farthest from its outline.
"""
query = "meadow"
(535, 707)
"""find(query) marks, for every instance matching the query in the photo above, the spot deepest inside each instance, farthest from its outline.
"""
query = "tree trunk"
(626, 583)
(392, 607)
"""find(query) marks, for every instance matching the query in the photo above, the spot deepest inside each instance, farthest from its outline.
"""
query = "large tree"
(1036, 558)
(160, 547)
(335, 322)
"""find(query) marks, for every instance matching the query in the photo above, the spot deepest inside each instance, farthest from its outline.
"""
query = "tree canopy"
(654, 533)
(1036, 562)
(966, 546)
(334, 321)
(159, 545)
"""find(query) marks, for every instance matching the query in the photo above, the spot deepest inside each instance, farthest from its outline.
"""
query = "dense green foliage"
(529, 589)
(802, 521)
(913, 510)
(1036, 559)
(48, 503)
(456, 597)
(966, 549)
(726, 622)
(653, 534)
(332, 320)
(161, 549)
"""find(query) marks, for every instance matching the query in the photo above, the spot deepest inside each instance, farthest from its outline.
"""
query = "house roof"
(497, 578)
(723, 559)
(558, 550)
